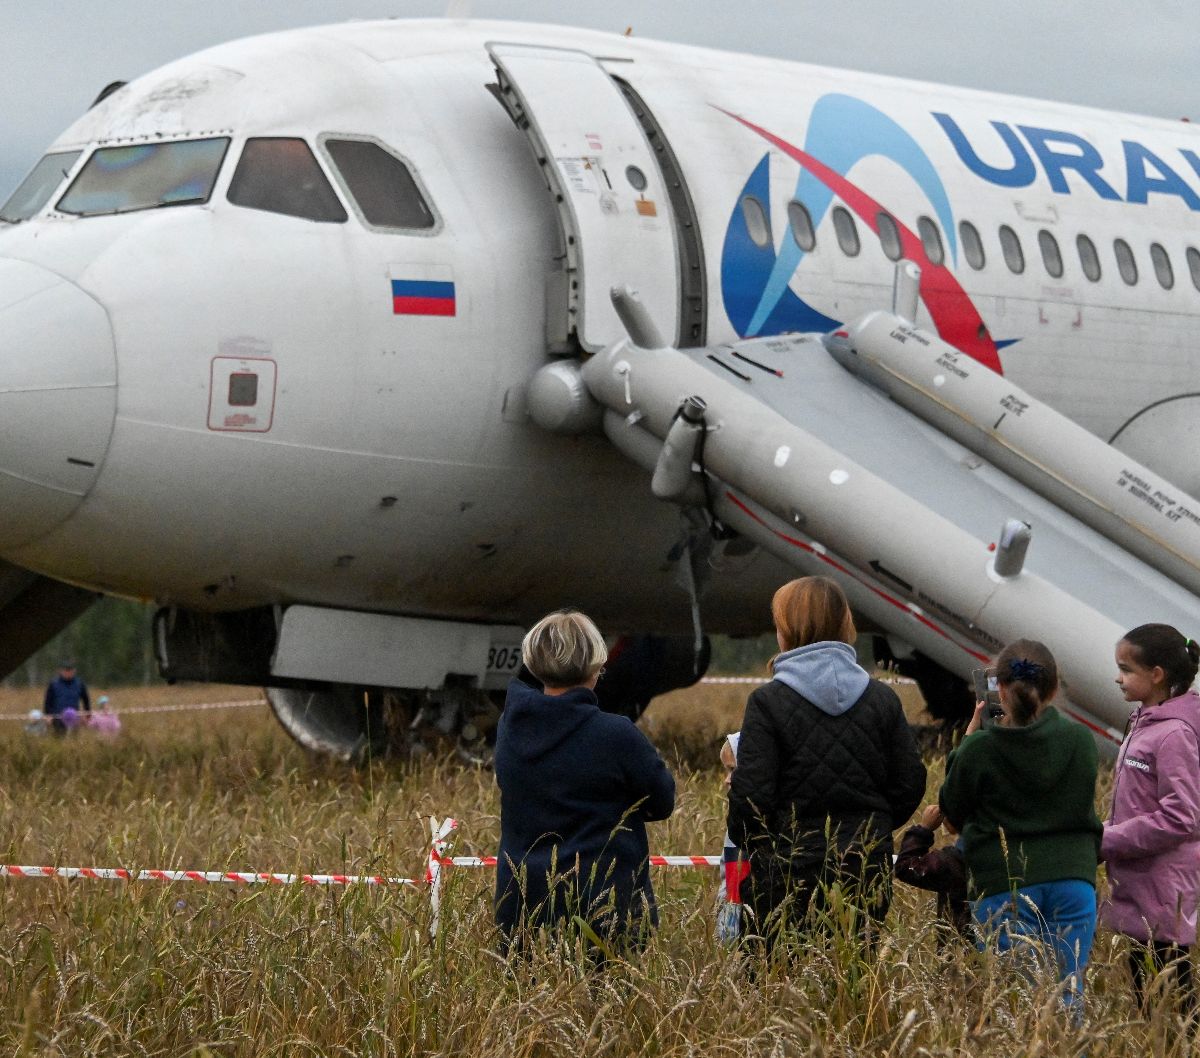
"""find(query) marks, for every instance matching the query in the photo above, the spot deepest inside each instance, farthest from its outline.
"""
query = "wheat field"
(122, 968)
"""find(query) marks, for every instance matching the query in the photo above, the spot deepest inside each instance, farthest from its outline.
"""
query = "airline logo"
(842, 131)
(1055, 153)
(423, 297)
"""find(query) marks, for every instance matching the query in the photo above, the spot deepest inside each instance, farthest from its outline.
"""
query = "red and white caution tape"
(119, 874)
(162, 708)
(655, 861)
(735, 679)
(686, 861)
(443, 835)
(756, 680)
(197, 706)
(191, 708)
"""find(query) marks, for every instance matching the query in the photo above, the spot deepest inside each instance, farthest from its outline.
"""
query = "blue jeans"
(1061, 916)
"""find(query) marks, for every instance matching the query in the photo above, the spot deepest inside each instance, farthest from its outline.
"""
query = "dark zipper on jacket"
(1131, 726)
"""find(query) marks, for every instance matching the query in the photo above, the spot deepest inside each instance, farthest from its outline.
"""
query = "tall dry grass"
(97, 968)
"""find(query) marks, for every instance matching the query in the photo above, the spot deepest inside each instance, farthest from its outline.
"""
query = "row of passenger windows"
(275, 174)
(846, 232)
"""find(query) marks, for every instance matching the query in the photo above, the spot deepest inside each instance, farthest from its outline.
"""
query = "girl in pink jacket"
(1152, 840)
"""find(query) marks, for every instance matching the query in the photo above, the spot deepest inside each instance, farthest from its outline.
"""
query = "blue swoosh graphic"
(747, 267)
(842, 131)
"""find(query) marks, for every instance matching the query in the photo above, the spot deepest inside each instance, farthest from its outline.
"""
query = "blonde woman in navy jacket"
(577, 787)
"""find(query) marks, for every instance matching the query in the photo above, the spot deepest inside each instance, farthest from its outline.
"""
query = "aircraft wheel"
(345, 723)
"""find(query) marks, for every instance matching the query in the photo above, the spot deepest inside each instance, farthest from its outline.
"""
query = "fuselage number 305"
(503, 658)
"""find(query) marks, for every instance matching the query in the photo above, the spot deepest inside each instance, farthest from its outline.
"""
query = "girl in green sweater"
(1022, 796)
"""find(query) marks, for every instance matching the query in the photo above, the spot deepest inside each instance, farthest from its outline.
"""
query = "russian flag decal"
(423, 297)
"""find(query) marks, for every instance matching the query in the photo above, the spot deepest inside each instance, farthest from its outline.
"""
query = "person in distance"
(65, 695)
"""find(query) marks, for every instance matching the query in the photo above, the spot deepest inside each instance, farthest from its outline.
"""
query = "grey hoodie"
(826, 674)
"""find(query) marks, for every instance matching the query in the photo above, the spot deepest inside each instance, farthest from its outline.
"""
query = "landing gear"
(465, 716)
(949, 699)
(355, 724)
(333, 720)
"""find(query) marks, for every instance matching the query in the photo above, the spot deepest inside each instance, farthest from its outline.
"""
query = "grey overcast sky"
(1139, 57)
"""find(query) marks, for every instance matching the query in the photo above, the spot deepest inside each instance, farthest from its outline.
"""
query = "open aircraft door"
(613, 203)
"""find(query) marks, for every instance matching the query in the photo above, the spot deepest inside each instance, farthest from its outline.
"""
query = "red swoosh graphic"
(953, 313)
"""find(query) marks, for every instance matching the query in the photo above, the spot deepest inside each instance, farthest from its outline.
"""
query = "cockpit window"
(380, 184)
(150, 175)
(35, 190)
(283, 176)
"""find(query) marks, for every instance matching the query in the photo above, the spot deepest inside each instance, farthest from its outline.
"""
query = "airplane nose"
(58, 399)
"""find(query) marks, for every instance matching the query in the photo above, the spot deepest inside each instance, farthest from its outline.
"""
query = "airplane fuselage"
(386, 461)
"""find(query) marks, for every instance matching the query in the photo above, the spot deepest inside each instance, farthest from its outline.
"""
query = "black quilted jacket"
(803, 774)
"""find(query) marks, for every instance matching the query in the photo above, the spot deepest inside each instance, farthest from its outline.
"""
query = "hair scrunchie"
(1024, 670)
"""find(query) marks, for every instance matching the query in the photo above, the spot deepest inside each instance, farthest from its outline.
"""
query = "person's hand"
(931, 818)
(976, 718)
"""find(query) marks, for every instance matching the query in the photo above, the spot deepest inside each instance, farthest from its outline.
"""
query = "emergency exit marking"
(241, 395)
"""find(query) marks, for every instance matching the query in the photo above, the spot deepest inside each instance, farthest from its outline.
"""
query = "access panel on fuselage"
(611, 198)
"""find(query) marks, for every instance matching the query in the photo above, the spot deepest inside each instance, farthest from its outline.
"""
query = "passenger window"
(35, 190)
(755, 215)
(931, 239)
(972, 245)
(1088, 258)
(802, 226)
(1126, 265)
(889, 236)
(1163, 271)
(1051, 255)
(145, 176)
(380, 184)
(847, 232)
(1014, 256)
(282, 176)
(1193, 260)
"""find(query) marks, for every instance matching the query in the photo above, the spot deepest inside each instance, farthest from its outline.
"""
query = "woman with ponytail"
(1021, 793)
(1152, 838)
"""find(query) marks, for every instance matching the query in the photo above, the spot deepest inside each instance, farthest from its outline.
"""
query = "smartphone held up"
(988, 691)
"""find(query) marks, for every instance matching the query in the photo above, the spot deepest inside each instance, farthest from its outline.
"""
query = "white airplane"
(351, 347)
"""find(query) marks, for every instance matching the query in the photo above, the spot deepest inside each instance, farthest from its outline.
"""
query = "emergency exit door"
(616, 217)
